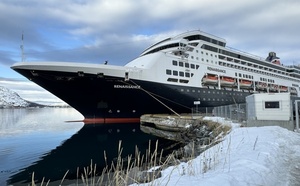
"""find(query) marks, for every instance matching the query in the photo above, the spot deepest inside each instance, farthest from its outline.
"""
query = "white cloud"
(119, 30)
(252, 26)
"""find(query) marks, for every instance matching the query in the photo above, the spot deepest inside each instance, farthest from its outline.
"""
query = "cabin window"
(187, 74)
(181, 74)
(168, 71)
(175, 73)
(271, 104)
(174, 63)
(187, 65)
(184, 81)
(180, 64)
(172, 80)
(192, 66)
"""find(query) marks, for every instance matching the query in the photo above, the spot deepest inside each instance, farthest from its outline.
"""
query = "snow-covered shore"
(247, 156)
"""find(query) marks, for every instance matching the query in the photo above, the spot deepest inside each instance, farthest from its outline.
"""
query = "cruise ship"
(172, 76)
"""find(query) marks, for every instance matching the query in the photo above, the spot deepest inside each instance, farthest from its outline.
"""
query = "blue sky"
(94, 31)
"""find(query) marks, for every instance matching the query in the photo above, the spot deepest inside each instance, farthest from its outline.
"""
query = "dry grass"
(143, 168)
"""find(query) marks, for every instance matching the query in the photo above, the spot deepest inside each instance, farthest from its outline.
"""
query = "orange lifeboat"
(245, 83)
(261, 86)
(210, 79)
(283, 89)
(273, 88)
(227, 81)
(293, 91)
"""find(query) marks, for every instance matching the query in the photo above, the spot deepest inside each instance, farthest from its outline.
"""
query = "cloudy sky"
(94, 31)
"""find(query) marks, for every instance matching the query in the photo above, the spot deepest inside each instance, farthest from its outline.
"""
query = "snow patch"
(247, 156)
(9, 99)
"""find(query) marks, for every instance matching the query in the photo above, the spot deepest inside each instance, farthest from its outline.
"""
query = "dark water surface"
(40, 140)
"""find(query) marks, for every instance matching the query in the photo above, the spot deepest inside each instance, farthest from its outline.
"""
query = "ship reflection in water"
(87, 145)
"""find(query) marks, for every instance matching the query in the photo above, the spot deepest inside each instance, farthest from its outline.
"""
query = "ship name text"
(128, 86)
(216, 69)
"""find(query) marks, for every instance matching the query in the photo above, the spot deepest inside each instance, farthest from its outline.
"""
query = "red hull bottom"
(108, 120)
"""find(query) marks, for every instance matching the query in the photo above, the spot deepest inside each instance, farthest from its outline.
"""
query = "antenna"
(22, 48)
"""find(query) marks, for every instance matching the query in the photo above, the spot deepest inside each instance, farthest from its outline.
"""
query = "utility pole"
(297, 115)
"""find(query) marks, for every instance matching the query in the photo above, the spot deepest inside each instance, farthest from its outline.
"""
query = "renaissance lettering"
(216, 69)
(128, 86)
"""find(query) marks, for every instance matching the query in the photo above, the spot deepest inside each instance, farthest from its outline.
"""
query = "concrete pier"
(170, 122)
(184, 128)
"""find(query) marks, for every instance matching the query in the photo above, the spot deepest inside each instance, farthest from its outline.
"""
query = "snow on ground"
(247, 156)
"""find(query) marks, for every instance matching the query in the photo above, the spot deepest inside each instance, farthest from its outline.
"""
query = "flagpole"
(22, 48)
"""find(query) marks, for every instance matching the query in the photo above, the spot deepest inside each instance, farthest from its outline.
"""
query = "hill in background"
(10, 99)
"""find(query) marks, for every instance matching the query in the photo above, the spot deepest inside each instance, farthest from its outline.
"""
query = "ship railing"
(294, 66)
(258, 57)
(246, 53)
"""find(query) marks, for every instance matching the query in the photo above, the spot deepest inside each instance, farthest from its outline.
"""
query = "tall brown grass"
(141, 168)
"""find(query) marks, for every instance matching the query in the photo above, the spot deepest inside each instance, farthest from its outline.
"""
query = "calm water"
(41, 141)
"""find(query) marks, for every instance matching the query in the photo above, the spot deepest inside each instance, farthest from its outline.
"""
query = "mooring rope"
(151, 94)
